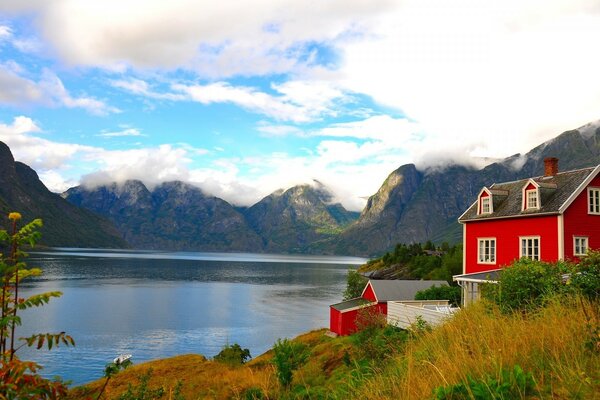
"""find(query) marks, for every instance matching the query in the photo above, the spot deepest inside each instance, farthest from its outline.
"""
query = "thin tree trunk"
(14, 260)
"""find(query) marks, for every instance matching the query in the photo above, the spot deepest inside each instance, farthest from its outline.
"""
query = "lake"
(158, 304)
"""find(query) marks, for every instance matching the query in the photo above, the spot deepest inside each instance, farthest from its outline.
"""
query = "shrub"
(288, 356)
(526, 285)
(375, 339)
(355, 285)
(586, 276)
(233, 355)
(511, 384)
(141, 391)
(450, 293)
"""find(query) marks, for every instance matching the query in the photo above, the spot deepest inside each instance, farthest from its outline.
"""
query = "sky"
(242, 98)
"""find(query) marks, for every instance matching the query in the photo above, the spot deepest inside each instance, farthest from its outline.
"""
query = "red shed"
(376, 294)
(549, 218)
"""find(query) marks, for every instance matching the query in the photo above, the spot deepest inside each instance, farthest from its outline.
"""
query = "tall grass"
(552, 344)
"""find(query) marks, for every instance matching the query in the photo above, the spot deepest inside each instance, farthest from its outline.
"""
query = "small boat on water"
(122, 358)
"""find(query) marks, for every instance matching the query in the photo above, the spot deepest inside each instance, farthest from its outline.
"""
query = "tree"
(450, 293)
(355, 285)
(288, 356)
(20, 379)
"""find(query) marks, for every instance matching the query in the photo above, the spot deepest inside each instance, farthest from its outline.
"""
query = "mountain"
(172, 216)
(416, 206)
(297, 218)
(64, 224)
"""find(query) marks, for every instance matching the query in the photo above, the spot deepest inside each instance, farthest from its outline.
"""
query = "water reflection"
(159, 307)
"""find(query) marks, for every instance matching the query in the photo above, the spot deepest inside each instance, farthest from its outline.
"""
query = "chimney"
(550, 166)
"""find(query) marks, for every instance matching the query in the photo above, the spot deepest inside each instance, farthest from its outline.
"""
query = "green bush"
(355, 285)
(450, 293)
(586, 276)
(526, 285)
(511, 384)
(233, 355)
(375, 339)
(254, 393)
(288, 356)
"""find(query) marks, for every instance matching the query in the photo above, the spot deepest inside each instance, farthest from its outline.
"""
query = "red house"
(376, 294)
(551, 217)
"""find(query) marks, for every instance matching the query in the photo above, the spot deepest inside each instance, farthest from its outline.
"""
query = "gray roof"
(555, 191)
(349, 304)
(395, 290)
(489, 276)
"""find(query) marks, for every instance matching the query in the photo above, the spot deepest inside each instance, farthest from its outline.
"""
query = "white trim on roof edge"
(580, 189)
(374, 292)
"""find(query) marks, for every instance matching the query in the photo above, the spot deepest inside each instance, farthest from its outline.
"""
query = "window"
(485, 205)
(580, 245)
(532, 199)
(594, 200)
(530, 247)
(486, 253)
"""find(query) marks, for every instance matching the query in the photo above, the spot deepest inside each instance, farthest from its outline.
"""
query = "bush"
(450, 293)
(527, 285)
(233, 355)
(355, 285)
(511, 384)
(288, 356)
(375, 339)
(586, 276)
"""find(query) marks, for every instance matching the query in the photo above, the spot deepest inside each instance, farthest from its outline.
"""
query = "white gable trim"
(579, 190)
(372, 289)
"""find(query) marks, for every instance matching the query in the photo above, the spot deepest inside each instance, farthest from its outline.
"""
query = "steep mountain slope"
(303, 215)
(415, 206)
(64, 224)
(173, 216)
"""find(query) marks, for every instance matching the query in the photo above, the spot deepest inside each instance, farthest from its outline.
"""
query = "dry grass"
(480, 342)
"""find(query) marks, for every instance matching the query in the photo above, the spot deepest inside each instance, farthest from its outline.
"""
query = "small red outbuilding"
(376, 294)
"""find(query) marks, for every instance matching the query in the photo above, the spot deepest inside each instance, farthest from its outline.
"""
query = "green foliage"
(510, 384)
(21, 379)
(141, 391)
(526, 285)
(586, 276)
(416, 261)
(254, 393)
(450, 293)
(233, 355)
(288, 356)
(375, 339)
(355, 284)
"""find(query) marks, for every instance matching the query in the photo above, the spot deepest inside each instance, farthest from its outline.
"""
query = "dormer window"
(532, 200)
(531, 196)
(486, 205)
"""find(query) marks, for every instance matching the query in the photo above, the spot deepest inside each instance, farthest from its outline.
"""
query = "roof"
(556, 193)
(486, 276)
(351, 304)
(390, 290)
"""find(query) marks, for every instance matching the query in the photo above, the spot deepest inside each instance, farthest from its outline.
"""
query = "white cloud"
(5, 32)
(122, 133)
(296, 101)
(265, 37)
(18, 90)
(483, 78)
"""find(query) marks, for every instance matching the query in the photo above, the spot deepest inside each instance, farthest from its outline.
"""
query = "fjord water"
(156, 304)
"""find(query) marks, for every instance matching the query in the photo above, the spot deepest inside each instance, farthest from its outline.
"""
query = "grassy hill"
(551, 353)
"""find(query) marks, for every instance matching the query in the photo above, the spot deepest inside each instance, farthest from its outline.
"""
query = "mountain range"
(412, 205)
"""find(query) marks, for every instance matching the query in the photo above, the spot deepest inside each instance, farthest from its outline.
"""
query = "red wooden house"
(375, 295)
(551, 217)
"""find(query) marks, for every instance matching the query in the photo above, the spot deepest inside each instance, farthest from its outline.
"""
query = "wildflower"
(14, 216)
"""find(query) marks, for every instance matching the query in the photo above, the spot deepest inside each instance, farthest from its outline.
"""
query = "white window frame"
(594, 200)
(486, 201)
(487, 243)
(529, 252)
(530, 199)
(584, 243)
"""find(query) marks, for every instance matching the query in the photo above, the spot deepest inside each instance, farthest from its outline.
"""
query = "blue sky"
(243, 98)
